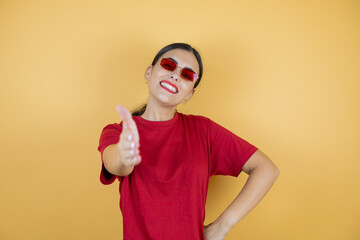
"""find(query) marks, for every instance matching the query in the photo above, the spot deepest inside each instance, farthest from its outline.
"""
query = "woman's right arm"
(120, 159)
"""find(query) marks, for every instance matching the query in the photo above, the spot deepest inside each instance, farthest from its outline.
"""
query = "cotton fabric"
(164, 197)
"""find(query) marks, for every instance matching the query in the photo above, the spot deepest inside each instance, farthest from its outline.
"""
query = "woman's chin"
(167, 101)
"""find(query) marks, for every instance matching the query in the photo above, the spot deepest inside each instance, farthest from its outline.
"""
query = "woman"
(163, 159)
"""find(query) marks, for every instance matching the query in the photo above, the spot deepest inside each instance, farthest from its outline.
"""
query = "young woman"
(163, 159)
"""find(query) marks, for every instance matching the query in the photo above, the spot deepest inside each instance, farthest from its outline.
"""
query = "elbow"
(272, 172)
(276, 172)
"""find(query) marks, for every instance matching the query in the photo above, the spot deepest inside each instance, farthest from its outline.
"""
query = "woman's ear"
(187, 98)
(148, 73)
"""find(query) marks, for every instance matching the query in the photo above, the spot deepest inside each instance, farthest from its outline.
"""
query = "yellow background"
(284, 75)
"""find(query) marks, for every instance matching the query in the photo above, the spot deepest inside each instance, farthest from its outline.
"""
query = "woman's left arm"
(262, 175)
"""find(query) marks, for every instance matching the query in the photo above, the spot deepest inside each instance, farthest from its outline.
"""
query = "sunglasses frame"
(181, 69)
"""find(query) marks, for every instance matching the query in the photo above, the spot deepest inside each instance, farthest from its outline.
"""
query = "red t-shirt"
(164, 197)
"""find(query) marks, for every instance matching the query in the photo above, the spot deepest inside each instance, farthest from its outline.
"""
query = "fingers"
(128, 143)
(129, 149)
(130, 153)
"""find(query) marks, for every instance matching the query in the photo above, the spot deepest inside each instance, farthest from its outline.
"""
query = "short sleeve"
(228, 152)
(109, 135)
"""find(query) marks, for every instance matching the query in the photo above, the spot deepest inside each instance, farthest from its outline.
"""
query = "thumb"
(128, 121)
(123, 112)
(125, 115)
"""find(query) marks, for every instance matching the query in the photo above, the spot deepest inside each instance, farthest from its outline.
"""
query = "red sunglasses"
(171, 65)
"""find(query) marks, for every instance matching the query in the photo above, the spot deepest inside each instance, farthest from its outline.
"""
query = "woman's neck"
(153, 113)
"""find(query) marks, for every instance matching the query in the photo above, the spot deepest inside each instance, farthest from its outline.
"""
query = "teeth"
(168, 86)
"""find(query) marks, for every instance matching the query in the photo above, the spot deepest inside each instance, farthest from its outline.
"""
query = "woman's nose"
(174, 76)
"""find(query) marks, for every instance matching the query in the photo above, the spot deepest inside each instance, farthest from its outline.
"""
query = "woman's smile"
(168, 86)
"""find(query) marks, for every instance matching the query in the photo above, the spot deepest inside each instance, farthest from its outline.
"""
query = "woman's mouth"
(168, 86)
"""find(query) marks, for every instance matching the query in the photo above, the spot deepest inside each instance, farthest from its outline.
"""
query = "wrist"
(225, 223)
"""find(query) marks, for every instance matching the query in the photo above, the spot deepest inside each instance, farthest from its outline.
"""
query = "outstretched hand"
(129, 141)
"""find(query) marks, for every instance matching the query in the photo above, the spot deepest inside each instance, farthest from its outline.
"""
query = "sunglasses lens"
(168, 64)
(188, 74)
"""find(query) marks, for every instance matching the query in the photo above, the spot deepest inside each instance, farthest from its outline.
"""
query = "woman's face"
(169, 88)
